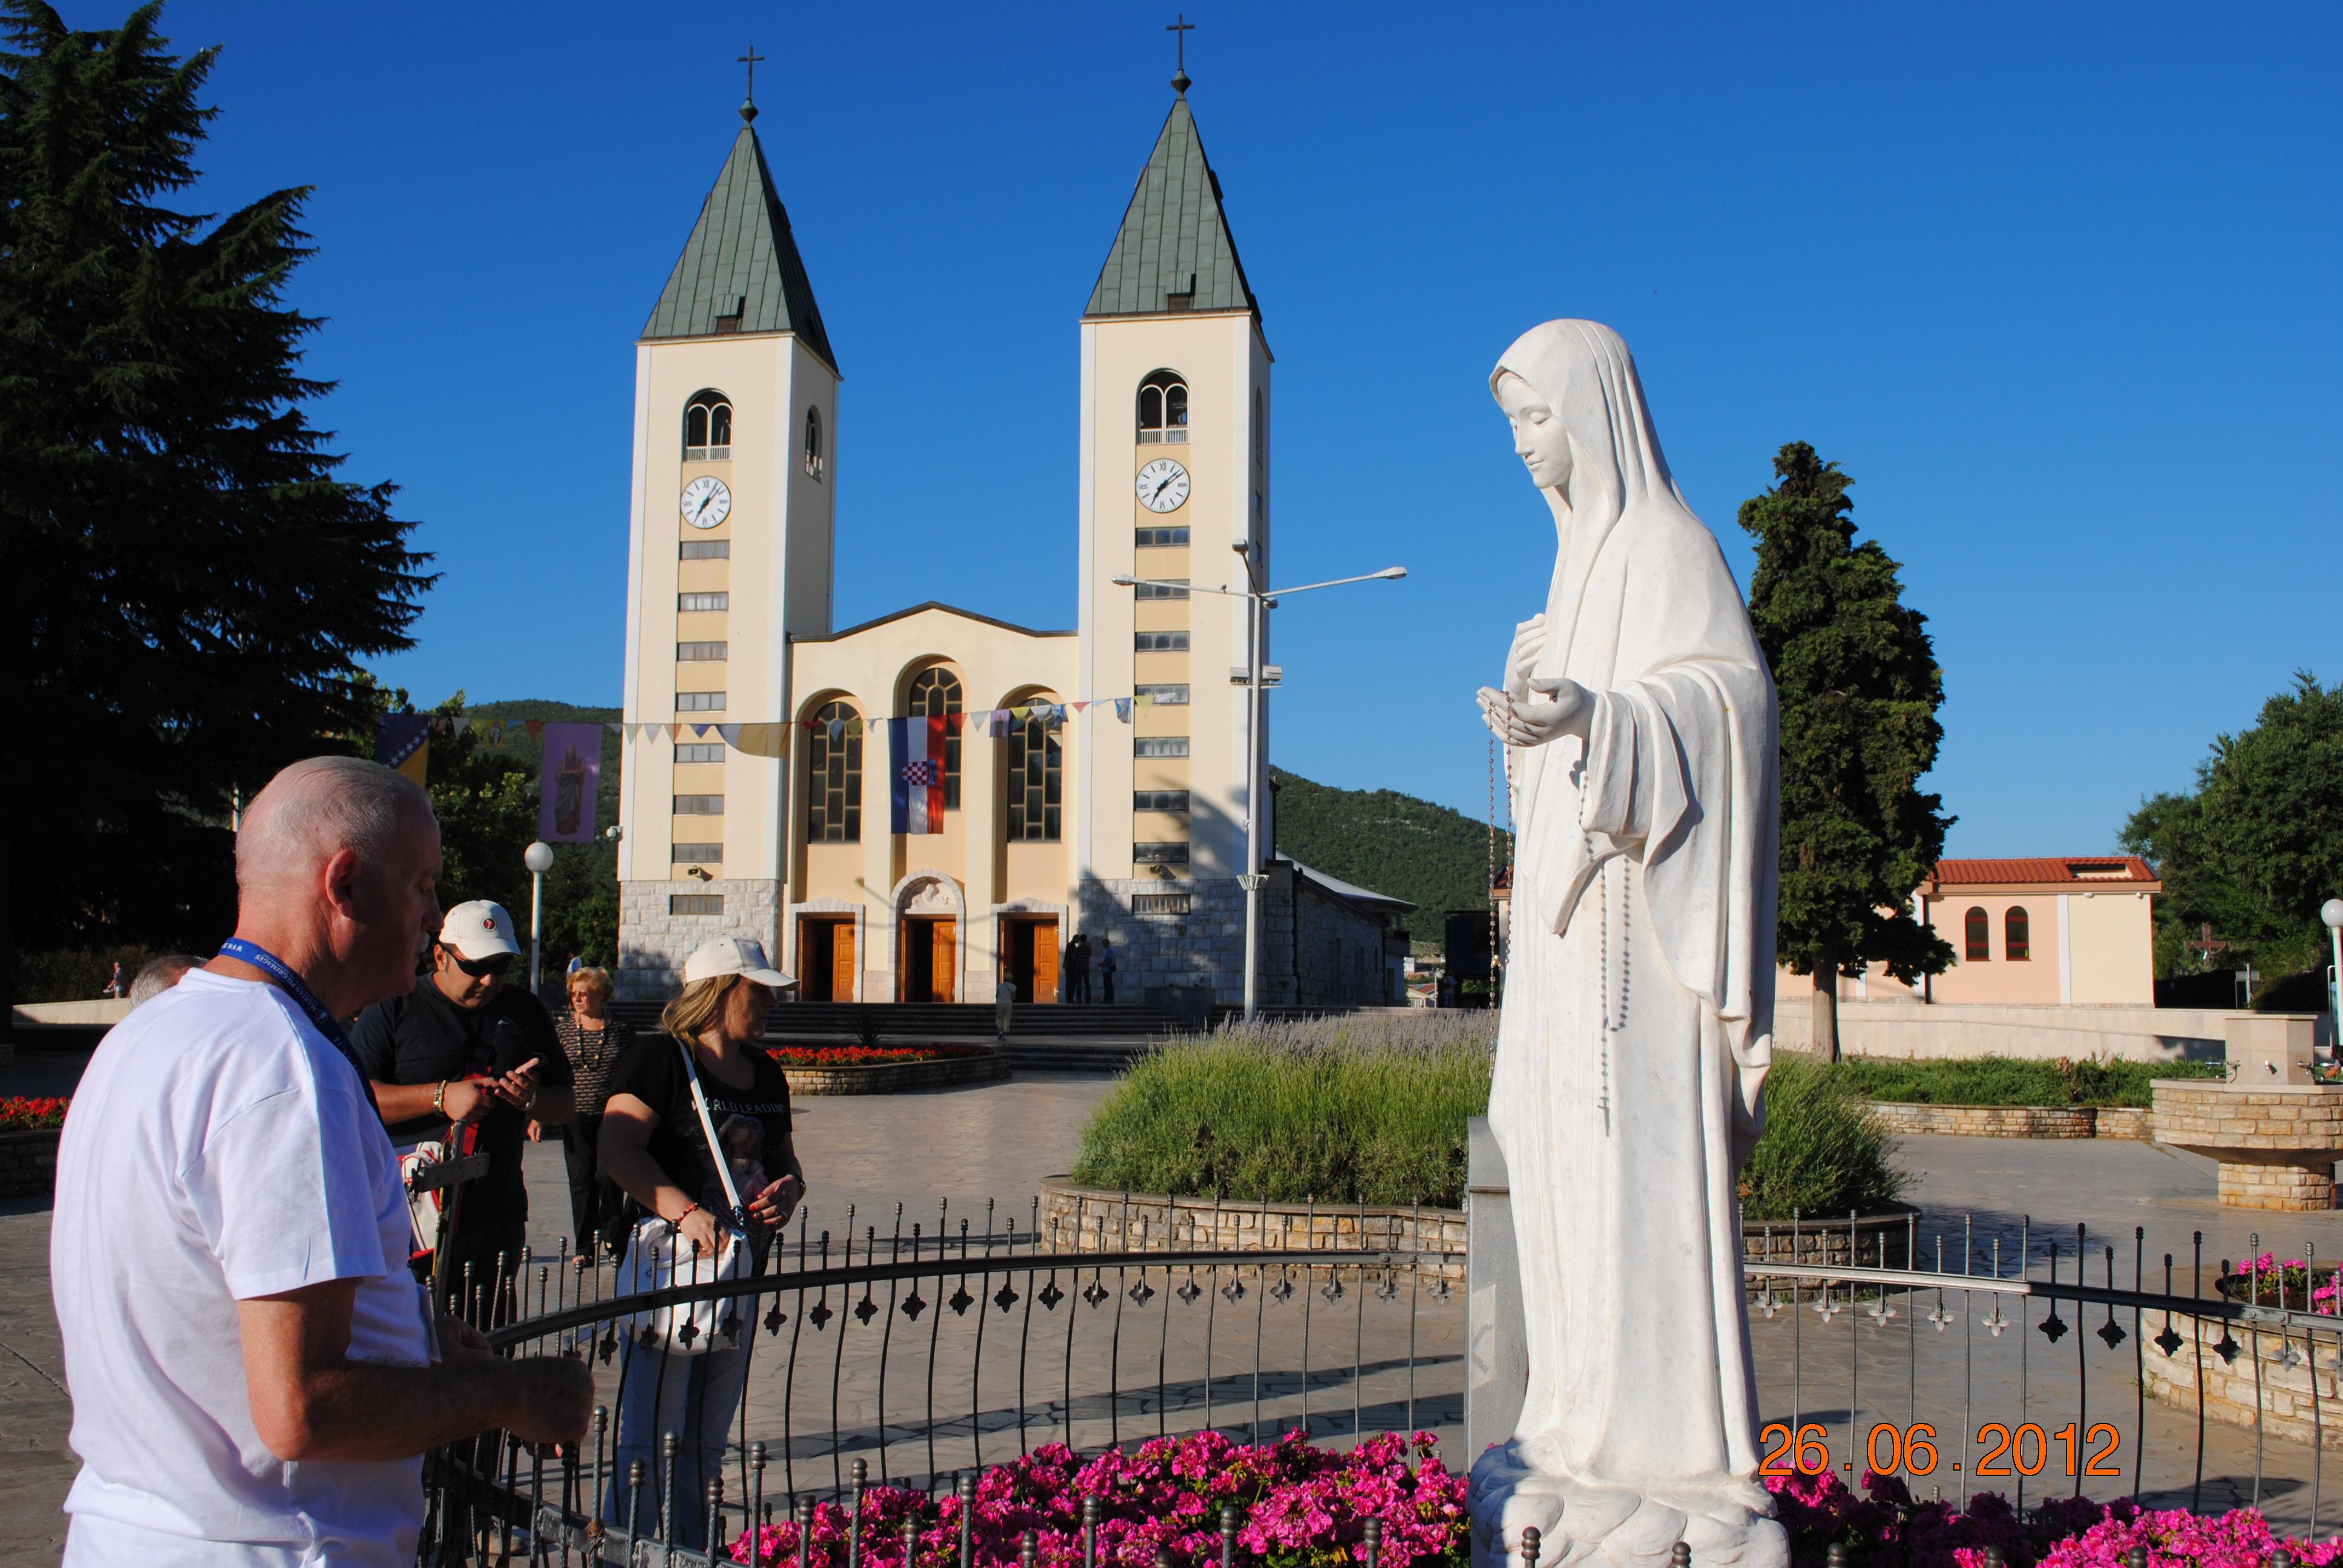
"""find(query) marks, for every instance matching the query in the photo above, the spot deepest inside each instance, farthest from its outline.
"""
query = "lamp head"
(2331, 911)
(538, 857)
(1124, 581)
(1241, 547)
(1393, 573)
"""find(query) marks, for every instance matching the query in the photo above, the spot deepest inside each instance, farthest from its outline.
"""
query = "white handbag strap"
(740, 1215)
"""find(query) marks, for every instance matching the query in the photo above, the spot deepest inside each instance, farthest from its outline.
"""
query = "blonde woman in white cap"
(653, 1147)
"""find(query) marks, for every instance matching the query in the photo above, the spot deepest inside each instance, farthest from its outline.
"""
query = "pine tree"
(187, 585)
(1859, 690)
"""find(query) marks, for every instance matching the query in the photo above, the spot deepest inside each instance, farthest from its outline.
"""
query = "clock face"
(1163, 486)
(707, 502)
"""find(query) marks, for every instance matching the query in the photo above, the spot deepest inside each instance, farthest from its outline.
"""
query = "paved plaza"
(1148, 1353)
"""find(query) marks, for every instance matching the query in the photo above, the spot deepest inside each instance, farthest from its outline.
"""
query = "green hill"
(1436, 859)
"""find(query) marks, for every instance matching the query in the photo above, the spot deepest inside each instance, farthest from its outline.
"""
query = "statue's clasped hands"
(1516, 715)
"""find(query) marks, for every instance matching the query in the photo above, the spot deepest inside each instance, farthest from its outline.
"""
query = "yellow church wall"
(703, 577)
(1156, 614)
(1160, 669)
(873, 667)
(1159, 773)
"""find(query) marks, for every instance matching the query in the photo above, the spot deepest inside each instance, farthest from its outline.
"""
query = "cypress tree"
(1859, 690)
(188, 586)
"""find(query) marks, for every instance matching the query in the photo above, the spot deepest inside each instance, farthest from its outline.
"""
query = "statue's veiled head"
(1570, 392)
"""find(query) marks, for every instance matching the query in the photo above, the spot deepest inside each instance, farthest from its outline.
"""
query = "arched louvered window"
(936, 693)
(708, 427)
(834, 776)
(1976, 937)
(1162, 409)
(2015, 934)
(814, 442)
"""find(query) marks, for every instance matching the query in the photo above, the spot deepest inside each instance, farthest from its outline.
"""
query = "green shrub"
(2008, 1081)
(74, 974)
(1361, 1109)
(1822, 1153)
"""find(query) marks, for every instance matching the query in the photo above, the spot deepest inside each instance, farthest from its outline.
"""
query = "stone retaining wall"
(987, 1066)
(28, 1163)
(1091, 1220)
(2016, 1120)
(2295, 1375)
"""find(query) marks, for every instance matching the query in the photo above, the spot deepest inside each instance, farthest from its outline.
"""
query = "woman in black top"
(593, 1042)
(653, 1147)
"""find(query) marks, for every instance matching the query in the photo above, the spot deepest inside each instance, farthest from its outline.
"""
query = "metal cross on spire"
(749, 103)
(1180, 30)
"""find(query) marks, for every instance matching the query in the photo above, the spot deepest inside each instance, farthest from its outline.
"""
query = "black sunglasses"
(481, 969)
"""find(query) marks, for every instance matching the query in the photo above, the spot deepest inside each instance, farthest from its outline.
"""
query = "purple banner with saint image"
(572, 783)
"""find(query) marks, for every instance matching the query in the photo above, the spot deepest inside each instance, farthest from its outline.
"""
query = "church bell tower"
(1175, 492)
(732, 525)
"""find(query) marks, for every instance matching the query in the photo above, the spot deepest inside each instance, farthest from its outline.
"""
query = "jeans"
(1001, 1011)
(596, 1207)
(694, 1397)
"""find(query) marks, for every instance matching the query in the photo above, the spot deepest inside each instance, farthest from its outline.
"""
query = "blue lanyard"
(292, 985)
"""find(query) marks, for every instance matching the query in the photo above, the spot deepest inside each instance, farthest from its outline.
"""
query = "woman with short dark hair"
(593, 1042)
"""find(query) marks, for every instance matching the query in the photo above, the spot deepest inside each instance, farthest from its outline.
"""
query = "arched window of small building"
(1260, 431)
(935, 693)
(2015, 933)
(814, 442)
(1162, 409)
(1036, 779)
(834, 776)
(708, 427)
(1977, 932)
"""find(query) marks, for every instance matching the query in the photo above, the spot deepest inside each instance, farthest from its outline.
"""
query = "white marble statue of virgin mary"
(1639, 996)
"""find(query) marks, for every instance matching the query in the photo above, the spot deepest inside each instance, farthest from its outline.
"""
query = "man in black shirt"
(465, 1047)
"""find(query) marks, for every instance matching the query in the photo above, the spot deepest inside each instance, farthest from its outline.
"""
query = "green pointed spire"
(740, 270)
(1175, 254)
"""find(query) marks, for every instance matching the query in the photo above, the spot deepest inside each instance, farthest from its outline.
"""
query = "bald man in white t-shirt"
(254, 1372)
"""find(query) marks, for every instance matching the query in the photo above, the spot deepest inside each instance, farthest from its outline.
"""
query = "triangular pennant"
(614, 728)
(1144, 700)
(535, 728)
(854, 725)
(731, 733)
(837, 731)
(460, 722)
(672, 730)
(1021, 713)
(1078, 707)
(1123, 709)
(705, 730)
(953, 722)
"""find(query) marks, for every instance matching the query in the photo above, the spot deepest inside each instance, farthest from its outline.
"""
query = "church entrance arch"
(930, 918)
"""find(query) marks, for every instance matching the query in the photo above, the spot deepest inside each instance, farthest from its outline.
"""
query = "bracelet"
(688, 1209)
(439, 1098)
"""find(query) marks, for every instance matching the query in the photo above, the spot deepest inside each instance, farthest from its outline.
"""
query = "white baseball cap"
(742, 956)
(479, 930)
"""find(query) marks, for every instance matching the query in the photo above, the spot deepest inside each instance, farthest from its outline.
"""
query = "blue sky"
(2056, 283)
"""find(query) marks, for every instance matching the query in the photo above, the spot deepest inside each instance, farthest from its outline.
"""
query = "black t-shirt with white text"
(652, 1072)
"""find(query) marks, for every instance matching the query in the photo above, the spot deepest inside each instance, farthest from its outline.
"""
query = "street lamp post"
(1259, 602)
(538, 858)
(2331, 914)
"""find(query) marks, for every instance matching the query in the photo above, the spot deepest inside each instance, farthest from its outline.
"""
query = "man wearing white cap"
(465, 1047)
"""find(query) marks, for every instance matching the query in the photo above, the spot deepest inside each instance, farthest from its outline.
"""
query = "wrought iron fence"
(915, 1357)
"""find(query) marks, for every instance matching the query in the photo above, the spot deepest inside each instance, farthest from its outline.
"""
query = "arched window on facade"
(2015, 933)
(834, 776)
(934, 694)
(1162, 409)
(1977, 933)
(814, 442)
(708, 427)
(1260, 431)
(1036, 779)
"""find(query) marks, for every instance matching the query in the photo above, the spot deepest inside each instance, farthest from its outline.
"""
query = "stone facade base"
(28, 1163)
(2292, 1378)
(654, 937)
(2292, 1188)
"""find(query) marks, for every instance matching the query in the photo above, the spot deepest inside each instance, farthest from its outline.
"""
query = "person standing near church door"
(1078, 970)
(1004, 1004)
(1106, 967)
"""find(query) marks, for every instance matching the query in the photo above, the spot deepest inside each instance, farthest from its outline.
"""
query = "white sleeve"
(285, 1191)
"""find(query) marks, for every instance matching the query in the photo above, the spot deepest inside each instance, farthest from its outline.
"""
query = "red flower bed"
(867, 1055)
(18, 1114)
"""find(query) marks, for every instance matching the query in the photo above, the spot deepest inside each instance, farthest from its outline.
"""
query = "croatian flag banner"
(917, 792)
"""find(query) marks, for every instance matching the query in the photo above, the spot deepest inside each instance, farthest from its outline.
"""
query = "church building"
(906, 808)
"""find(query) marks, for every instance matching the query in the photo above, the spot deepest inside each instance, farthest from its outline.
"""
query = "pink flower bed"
(1303, 1507)
(1885, 1528)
